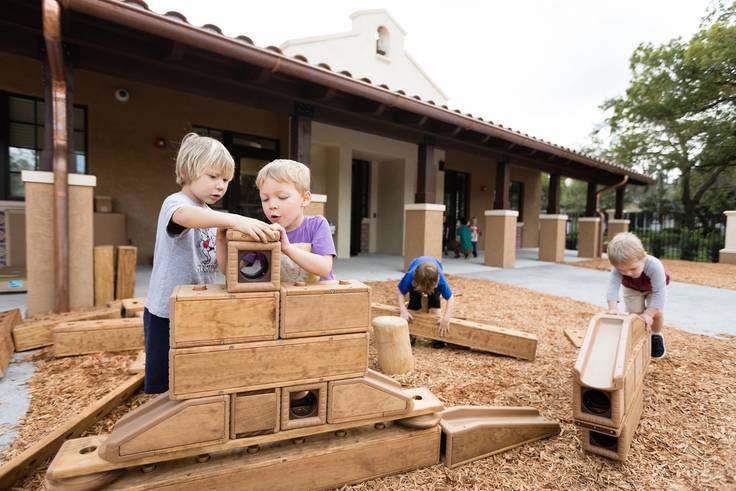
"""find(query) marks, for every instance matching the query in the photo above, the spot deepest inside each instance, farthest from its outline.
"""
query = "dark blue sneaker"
(658, 350)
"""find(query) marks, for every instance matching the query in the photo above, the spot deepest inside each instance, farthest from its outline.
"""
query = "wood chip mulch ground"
(686, 439)
(707, 274)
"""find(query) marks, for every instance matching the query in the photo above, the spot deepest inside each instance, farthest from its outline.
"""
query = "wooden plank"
(133, 306)
(104, 274)
(204, 315)
(323, 462)
(197, 372)
(481, 337)
(575, 336)
(25, 464)
(125, 280)
(39, 332)
(255, 413)
(8, 320)
(71, 461)
(262, 275)
(321, 309)
(94, 336)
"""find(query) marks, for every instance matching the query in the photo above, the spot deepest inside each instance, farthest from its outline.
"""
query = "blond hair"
(288, 171)
(197, 153)
(426, 277)
(625, 248)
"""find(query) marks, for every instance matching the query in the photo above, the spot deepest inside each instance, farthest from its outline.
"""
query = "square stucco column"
(617, 226)
(589, 236)
(39, 188)
(500, 238)
(317, 205)
(552, 238)
(728, 253)
(422, 231)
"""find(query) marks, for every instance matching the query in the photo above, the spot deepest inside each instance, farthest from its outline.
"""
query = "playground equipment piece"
(94, 336)
(303, 405)
(373, 395)
(255, 413)
(474, 432)
(252, 266)
(8, 320)
(139, 364)
(474, 335)
(575, 336)
(204, 315)
(392, 343)
(127, 257)
(132, 306)
(323, 308)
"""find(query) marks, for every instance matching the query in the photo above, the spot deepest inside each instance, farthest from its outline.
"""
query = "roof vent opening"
(382, 41)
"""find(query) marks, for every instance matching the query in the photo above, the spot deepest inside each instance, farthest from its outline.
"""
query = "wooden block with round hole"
(255, 413)
(203, 315)
(303, 405)
(253, 266)
(94, 336)
(131, 306)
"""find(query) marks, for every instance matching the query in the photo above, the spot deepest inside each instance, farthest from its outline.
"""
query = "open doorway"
(360, 206)
(457, 192)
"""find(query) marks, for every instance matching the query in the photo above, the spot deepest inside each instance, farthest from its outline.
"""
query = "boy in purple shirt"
(284, 189)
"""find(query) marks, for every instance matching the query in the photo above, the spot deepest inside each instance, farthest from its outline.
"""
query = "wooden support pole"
(300, 133)
(125, 282)
(426, 173)
(553, 195)
(104, 267)
(619, 203)
(591, 201)
(503, 183)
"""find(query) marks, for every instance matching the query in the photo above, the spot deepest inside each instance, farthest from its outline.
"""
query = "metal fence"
(666, 237)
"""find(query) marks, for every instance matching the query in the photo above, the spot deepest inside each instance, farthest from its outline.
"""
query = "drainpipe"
(60, 146)
(600, 213)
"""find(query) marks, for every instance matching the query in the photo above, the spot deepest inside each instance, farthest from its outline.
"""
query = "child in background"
(187, 234)
(465, 235)
(474, 234)
(644, 282)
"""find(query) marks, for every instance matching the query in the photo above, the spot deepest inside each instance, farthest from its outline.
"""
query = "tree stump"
(391, 336)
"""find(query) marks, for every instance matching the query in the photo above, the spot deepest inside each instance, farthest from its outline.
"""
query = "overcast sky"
(542, 67)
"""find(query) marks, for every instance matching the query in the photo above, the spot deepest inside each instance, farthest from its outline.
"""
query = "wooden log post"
(104, 274)
(392, 343)
(125, 282)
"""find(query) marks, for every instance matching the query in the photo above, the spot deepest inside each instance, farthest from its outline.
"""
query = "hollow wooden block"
(197, 372)
(303, 405)
(163, 425)
(616, 447)
(374, 395)
(609, 371)
(94, 336)
(8, 320)
(131, 306)
(125, 280)
(253, 266)
(474, 432)
(481, 337)
(37, 333)
(255, 413)
(204, 315)
(324, 308)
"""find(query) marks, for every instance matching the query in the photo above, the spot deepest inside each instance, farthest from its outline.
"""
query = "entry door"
(457, 187)
(360, 207)
(242, 196)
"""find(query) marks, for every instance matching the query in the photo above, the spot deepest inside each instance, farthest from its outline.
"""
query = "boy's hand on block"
(443, 329)
(285, 244)
(255, 228)
(404, 314)
(648, 320)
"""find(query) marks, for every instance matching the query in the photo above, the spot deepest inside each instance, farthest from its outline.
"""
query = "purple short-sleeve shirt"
(316, 231)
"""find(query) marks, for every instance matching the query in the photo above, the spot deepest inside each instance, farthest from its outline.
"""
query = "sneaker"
(438, 344)
(412, 340)
(658, 349)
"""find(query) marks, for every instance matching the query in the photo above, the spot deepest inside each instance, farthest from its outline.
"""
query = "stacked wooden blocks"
(608, 383)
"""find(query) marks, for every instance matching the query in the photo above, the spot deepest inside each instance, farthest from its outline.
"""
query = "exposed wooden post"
(300, 133)
(619, 203)
(426, 173)
(503, 183)
(553, 195)
(591, 200)
(391, 336)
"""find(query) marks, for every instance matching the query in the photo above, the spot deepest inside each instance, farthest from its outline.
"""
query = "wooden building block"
(575, 336)
(610, 367)
(104, 274)
(325, 308)
(132, 306)
(370, 396)
(39, 332)
(474, 432)
(253, 266)
(393, 344)
(616, 447)
(474, 335)
(322, 462)
(204, 315)
(8, 320)
(303, 405)
(127, 257)
(94, 336)
(118, 304)
(197, 372)
(139, 364)
(236, 236)
(255, 413)
(164, 425)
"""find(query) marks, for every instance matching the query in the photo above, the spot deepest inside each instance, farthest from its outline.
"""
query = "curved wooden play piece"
(391, 338)
(374, 395)
(474, 432)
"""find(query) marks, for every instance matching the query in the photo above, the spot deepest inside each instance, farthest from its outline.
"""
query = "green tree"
(677, 119)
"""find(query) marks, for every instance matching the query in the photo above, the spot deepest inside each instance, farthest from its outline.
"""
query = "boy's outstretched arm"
(195, 217)
(444, 327)
(308, 261)
(403, 312)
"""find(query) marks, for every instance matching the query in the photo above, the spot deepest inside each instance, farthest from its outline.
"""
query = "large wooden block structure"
(270, 365)
(608, 382)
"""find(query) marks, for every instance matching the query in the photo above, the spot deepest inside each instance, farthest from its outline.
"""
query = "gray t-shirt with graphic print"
(182, 256)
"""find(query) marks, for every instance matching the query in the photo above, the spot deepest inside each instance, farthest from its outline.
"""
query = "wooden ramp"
(474, 335)
(474, 432)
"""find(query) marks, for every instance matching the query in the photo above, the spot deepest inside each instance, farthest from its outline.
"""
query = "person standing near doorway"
(474, 234)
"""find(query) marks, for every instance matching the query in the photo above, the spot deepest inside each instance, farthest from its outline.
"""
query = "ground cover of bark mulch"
(717, 275)
(686, 439)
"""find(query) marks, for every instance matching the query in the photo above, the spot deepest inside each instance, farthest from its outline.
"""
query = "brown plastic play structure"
(608, 383)
(269, 382)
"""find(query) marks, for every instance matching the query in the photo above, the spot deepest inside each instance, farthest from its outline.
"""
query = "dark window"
(23, 140)
(516, 198)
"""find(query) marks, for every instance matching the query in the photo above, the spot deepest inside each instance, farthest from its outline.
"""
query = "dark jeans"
(475, 249)
(156, 337)
(415, 299)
